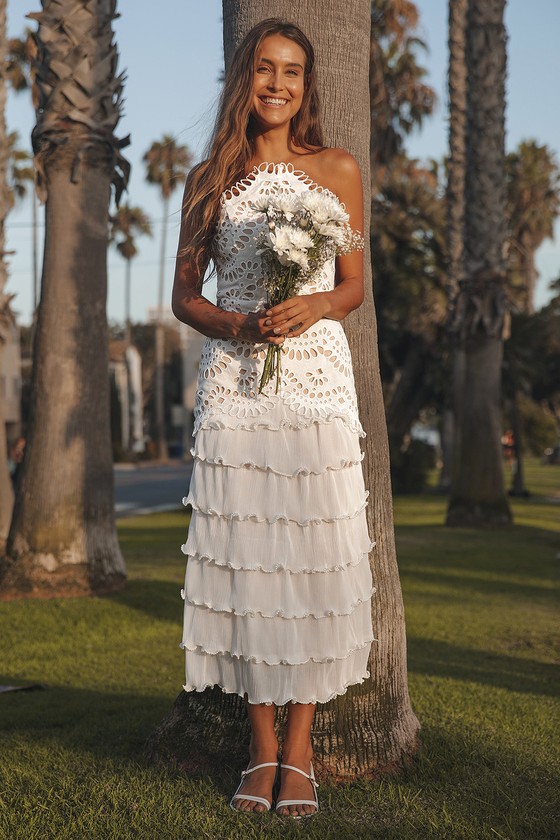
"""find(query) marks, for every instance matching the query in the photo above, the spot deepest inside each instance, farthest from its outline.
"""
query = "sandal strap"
(297, 802)
(303, 773)
(258, 766)
(251, 798)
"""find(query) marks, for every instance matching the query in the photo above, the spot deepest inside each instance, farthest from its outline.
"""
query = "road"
(147, 489)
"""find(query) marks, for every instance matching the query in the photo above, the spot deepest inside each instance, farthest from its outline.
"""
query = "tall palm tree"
(62, 539)
(21, 52)
(126, 225)
(371, 728)
(20, 173)
(455, 205)
(477, 490)
(167, 164)
(6, 316)
(533, 198)
(400, 100)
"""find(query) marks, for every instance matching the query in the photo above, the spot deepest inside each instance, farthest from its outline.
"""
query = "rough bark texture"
(371, 729)
(455, 204)
(457, 90)
(477, 493)
(63, 538)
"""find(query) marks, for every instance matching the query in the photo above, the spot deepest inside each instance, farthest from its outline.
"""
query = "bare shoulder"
(338, 170)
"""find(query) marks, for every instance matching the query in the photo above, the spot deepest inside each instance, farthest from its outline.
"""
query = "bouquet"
(302, 233)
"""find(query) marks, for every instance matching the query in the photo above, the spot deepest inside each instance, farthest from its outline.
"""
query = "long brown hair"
(231, 145)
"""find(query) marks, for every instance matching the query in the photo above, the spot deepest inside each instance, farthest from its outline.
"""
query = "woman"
(278, 585)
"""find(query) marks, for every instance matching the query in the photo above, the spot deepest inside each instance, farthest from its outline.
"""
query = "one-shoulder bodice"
(317, 379)
(238, 265)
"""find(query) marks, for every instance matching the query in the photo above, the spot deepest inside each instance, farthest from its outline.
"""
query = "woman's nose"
(274, 83)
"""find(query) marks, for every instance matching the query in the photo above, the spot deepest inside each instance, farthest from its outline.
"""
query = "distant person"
(15, 458)
(508, 446)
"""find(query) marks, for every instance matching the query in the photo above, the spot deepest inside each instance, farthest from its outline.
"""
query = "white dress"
(278, 584)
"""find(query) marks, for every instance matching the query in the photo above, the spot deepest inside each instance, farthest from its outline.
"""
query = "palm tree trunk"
(161, 438)
(35, 252)
(6, 492)
(63, 539)
(455, 201)
(127, 285)
(477, 494)
(371, 729)
(529, 272)
(457, 90)
(409, 395)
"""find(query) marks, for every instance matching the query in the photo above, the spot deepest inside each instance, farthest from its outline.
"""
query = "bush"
(539, 430)
(410, 467)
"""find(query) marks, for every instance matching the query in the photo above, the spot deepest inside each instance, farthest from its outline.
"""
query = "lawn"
(482, 627)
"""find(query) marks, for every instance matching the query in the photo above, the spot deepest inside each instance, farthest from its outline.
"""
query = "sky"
(173, 61)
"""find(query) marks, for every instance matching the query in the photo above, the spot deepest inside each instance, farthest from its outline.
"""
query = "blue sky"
(173, 60)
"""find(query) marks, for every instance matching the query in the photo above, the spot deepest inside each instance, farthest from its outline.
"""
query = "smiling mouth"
(273, 100)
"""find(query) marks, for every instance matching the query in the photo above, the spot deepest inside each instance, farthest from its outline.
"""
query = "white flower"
(337, 233)
(280, 239)
(260, 204)
(300, 239)
(323, 207)
(297, 257)
(288, 205)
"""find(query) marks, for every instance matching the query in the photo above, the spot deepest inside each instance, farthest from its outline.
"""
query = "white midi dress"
(278, 585)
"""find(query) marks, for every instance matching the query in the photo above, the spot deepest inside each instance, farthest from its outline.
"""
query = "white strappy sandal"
(248, 796)
(284, 802)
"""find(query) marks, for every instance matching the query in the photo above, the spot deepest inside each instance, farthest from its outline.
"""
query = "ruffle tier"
(278, 584)
(310, 682)
(288, 595)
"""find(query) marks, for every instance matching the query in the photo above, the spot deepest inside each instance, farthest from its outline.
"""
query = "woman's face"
(278, 81)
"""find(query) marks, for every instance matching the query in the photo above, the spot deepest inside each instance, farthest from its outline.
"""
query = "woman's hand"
(296, 315)
(254, 327)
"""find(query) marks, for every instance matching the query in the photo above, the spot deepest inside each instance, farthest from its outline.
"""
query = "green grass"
(483, 655)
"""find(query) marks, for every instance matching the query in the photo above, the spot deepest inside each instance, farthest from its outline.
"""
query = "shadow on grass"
(439, 659)
(476, 781)
(158, 599)
(112, 728)
(472, 583)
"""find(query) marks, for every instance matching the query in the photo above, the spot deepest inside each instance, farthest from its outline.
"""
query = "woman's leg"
(297, 750)
(263, 746)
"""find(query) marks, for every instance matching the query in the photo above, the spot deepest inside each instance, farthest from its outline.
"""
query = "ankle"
(293, 751)
(265, 749)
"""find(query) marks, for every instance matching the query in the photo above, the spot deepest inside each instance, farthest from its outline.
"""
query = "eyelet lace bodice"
(317, 380)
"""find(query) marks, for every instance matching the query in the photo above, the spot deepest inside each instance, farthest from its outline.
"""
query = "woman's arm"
(192, 308)
(345, 181)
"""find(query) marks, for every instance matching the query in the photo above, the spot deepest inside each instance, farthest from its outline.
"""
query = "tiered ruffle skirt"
(278, 584)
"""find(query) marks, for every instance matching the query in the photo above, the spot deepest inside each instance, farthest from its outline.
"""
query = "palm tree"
(408, 243)
(455, 201)
(477, 490)
(19, 173)
(400, 100)
(21, 52)
(167, 164)
(62, 539)
(371, 728)
(6, 316)
(533, 180)
(126, 224)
